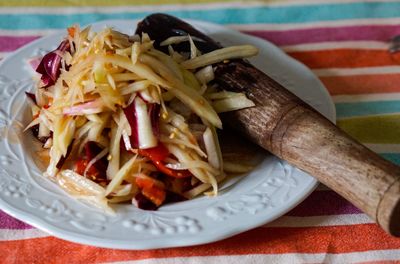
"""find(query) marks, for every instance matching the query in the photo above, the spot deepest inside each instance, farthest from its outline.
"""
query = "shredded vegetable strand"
(235, 52)
(114, 112)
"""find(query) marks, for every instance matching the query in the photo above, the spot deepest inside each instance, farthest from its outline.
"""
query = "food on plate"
(121, 121)
(289, 128)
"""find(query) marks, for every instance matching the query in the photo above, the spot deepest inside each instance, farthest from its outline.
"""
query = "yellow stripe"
(383, 129)
(49, 3)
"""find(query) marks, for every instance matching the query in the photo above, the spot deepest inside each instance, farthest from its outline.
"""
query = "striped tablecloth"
(344, 42)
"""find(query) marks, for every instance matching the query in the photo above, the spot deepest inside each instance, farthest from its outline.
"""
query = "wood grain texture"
(290, 129)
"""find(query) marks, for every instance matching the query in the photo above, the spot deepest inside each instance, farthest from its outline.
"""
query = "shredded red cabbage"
(49, 66)
(130, 113)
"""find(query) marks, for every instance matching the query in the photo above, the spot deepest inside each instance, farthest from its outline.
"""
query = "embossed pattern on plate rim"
(251, 203)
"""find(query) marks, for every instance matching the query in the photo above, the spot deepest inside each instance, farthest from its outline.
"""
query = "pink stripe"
(8, 222)
(299, 36)
(324, 203)
(9, 43)
(285, 37)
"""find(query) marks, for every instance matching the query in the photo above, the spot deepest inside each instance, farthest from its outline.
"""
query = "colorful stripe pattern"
(343, 42)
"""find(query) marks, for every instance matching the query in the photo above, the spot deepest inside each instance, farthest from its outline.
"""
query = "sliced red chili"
(157, 155)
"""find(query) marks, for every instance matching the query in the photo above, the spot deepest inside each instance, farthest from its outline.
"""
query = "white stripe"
(369, 45)
(18, 234)
(28, 32)
(4, 54)
(366, 97)
(56, 10)
(325, 220)
(317, 24)
(366, 256)
(383, 148)
(356, 71)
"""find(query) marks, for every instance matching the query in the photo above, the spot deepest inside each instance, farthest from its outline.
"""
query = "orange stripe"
(333, 239)
(361, 84)
(346, 58)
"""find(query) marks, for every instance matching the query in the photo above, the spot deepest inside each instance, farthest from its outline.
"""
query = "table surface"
(344, 42)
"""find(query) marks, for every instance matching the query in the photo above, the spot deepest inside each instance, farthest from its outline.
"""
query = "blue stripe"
(276, 14)
(344, 110)
(393, 157)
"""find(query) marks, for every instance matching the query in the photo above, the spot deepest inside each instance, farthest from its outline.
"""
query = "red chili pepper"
(159, 152)
(157, 155)
(80, 167)
(71, 31)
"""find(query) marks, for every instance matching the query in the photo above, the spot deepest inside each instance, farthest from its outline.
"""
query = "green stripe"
(262, 14)
(345, 110)
(393, 157)
(373, 129)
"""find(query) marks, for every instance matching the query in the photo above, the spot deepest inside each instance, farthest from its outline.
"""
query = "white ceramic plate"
(268, 192)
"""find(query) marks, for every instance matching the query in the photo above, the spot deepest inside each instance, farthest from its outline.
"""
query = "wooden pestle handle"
(290, 129)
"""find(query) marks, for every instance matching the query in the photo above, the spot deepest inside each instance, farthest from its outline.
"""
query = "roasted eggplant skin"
(162, 26)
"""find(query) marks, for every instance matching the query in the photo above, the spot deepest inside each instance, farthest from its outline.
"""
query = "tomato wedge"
(151, 189)
(157, 155)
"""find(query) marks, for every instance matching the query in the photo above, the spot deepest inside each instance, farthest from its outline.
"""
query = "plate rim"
(102, 242)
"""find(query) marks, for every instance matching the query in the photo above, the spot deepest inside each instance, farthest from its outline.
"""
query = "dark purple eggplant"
(161, 26)
(141, 201)
(172, 197)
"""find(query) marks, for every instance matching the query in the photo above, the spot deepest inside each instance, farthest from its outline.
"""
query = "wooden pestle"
(290, 129)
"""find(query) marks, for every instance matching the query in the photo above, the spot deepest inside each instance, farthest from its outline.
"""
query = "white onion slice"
(123, 190)
(113, 164)
(211, 148)
(234, 52)
(205, 75)
(232, 103)
(145, 133)
(120, 175)
(178, 39)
